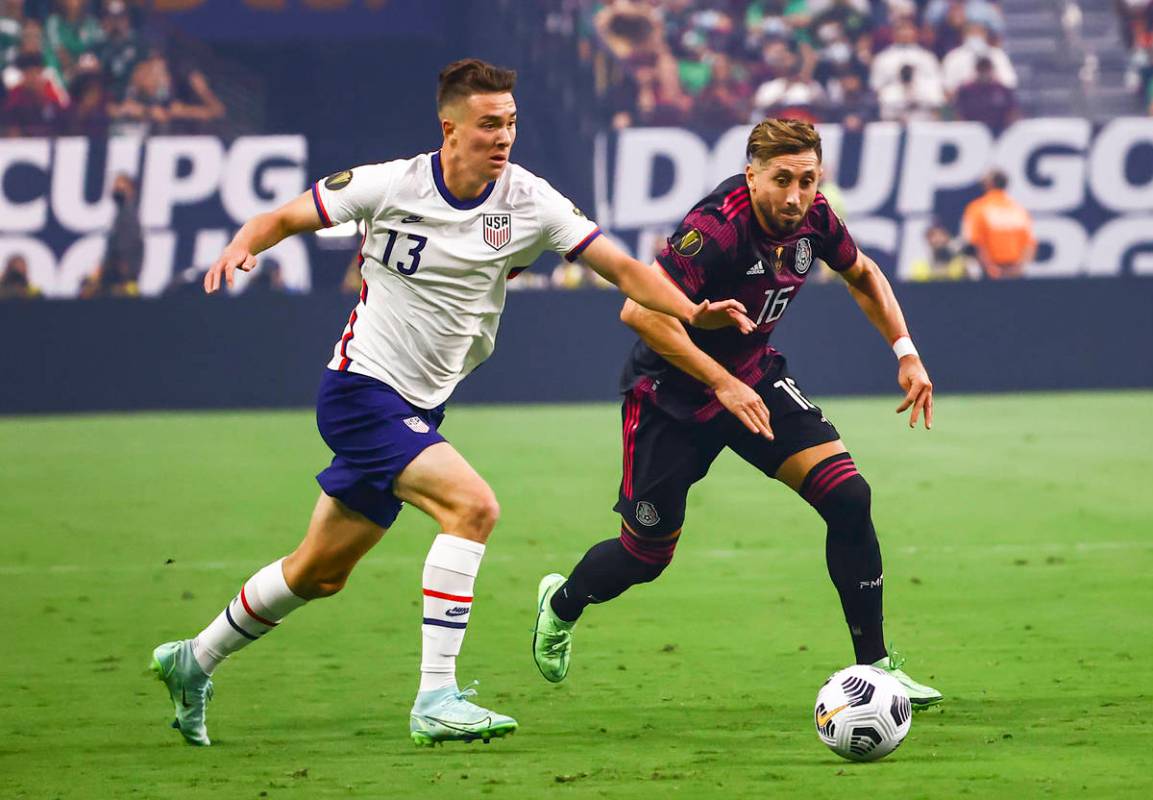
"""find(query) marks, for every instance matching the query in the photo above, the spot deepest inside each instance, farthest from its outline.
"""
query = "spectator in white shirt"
(910, 99)
(793, 94)
(904, 51)
(960, 65)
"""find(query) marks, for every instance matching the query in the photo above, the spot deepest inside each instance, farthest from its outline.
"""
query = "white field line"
(718, 554)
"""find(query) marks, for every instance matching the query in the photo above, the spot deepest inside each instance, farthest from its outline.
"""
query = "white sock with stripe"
(264, 600)
(449, 573)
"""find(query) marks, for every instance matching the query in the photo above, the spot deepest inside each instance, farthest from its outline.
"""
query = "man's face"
(33, 78)
(783, 188)
(482, 128)
(905, 32)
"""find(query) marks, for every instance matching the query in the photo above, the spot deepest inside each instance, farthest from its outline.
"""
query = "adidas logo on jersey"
(756, 269)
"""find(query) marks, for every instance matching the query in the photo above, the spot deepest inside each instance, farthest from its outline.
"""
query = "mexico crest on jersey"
(804, 257)
(647, 513)
(497, 230)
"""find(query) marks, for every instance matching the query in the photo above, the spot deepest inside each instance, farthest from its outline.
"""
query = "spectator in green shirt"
(69, 33)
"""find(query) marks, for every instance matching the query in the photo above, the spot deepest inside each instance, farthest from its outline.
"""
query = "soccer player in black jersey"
(689, 394)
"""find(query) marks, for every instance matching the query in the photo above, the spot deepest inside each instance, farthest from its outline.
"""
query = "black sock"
(608, 569)
(852, 553)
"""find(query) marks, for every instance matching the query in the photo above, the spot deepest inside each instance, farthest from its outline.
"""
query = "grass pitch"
(1018, 542)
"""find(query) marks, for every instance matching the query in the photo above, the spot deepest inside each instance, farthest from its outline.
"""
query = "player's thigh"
(663, 457)
(800, 431)
(442, 484)
(337, 539)
(374, 434)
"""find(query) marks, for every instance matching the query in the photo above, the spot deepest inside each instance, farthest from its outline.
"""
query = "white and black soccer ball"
(862, 713)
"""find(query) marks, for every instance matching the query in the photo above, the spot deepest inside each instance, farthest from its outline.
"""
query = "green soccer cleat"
(188, 686)
(920, 696)
(552, 636)
(446, 715)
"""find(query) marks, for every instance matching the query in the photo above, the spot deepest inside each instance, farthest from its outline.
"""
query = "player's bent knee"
(651, 555)
(314, 579)
(840, 494)
(315, 584)
(476, 516)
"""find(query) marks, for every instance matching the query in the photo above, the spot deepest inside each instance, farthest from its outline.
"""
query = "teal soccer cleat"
(188, 687)
(920, 695)
(552, 636)
(446, 715)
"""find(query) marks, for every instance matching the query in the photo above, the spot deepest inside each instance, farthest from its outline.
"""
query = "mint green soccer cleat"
(188, 686)
(920, 696)
(446, 715)
(552, 636)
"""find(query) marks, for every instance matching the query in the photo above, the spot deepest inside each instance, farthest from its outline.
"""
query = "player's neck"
(462, 185)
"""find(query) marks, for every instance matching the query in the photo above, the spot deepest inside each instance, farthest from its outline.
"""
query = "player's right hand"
(722, 314)
(745, 404)
(232, 259)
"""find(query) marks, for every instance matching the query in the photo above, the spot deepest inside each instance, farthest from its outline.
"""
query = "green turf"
(1018, 540)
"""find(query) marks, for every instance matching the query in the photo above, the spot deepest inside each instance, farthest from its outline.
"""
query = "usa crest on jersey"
(497, 230)
(417, 425)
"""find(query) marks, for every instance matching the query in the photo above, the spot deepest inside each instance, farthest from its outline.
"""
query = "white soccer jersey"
(435, 267)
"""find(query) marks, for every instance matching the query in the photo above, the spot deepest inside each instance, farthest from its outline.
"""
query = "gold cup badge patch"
(690, 244)
(338, 180)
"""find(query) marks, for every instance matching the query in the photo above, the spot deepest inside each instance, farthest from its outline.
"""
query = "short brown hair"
(780, 137)
(471, 76)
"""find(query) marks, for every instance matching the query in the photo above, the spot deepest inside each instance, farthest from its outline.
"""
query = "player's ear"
(750, 176)
(447, 126)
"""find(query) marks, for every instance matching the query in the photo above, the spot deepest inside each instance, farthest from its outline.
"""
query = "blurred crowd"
(718, 63)
(1137, 32)
(92, 67)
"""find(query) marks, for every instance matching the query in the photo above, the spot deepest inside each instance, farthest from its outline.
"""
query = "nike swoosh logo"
(456, 612)
(823, 719)
(463, 727)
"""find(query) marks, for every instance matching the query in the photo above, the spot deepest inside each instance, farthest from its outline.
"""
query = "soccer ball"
(862, 713)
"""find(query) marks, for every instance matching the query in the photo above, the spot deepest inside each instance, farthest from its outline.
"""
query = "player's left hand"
(918, 388)
(722, 314)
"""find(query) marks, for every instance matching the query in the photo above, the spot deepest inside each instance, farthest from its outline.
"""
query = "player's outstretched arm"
(668, 338)
(871, 289)
(260, 233)
(652, 289)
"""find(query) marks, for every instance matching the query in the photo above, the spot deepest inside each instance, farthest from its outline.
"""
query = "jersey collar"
(449, 197)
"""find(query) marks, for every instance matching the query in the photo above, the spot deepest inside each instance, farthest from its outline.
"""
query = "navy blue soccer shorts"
(374, 433)
(664, 456)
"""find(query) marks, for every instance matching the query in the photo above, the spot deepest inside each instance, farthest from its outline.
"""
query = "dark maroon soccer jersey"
(720, 251)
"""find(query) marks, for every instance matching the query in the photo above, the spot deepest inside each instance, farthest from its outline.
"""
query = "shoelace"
(558, 642)
(468, 691)
(896, 660)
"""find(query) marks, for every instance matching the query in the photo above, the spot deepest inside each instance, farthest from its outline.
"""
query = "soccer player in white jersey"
(444, 231)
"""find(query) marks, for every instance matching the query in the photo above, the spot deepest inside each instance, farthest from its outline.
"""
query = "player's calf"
(843, 498)
(611, 567)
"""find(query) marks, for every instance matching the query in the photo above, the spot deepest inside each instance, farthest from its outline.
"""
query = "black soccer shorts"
(664, 456)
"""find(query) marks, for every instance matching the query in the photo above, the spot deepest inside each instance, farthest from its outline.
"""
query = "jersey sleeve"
(564, 229)
(700, 248)
(357, 193)
(838, 249)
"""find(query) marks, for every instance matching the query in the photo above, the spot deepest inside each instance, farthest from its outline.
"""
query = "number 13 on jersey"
(408, 263)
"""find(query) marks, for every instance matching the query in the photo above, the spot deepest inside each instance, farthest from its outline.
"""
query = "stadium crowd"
(723, 62)
(92, 67)
(1137, 33)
